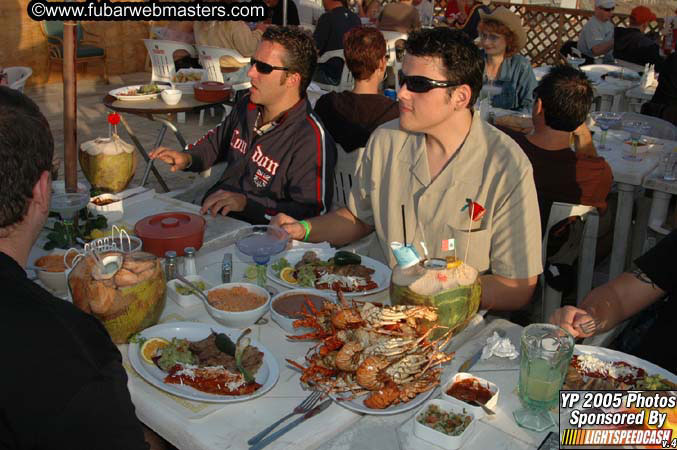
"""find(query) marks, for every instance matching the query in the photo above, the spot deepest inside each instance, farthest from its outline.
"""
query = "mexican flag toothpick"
(476, 212)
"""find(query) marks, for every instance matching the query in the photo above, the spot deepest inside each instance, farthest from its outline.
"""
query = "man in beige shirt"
(399, 16)
(232, 34)
(436, 157)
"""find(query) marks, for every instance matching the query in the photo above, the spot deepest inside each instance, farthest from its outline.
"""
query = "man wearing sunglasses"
(429, 164)
(280, 158)
(597, 36)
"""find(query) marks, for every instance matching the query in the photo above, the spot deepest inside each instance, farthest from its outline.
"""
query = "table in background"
(638, 95)
(154, 110)
(662, 193)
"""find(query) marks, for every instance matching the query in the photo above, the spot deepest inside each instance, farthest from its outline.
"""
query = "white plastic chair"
(391, 38)
(17, 77)
(661, 129)
(210, 58)
(347, 81)
(161, 55)
(552, 299)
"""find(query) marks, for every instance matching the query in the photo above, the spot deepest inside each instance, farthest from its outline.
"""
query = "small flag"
(475, 210)
(448, 245)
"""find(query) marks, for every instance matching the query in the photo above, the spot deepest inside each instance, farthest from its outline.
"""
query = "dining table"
(156, 110)
(189, 424)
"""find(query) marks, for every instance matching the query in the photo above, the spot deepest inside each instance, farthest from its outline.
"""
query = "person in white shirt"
(597, 36)
(426, 11)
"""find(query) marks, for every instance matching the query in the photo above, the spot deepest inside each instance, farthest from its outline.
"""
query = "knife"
(313, 412)
(476, 357)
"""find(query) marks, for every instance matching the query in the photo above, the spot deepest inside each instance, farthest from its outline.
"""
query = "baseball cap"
(642, 14)
(605, 4)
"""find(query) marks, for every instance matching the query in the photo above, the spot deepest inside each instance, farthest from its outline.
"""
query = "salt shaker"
(170, 265)
(189, 267)
(227, 267)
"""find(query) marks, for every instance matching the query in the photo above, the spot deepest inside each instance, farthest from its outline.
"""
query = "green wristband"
(307, 227)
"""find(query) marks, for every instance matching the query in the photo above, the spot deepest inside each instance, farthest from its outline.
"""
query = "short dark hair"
(301, 54)
(462, 60)
(566, 95)
(26, 150)
(364, 48)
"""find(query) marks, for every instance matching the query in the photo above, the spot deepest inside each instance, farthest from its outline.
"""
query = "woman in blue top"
(502, 37)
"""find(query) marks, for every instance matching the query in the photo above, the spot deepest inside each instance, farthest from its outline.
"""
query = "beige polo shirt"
(489, 167)
(230, 34)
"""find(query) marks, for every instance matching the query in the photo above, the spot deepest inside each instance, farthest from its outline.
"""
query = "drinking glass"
(546, 353)
(669, 165)
(636, 129)
(605, 120)
(575, 61)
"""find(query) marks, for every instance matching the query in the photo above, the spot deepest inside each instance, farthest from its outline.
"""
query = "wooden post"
(70, 126)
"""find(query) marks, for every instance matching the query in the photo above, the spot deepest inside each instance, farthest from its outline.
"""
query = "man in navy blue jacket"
(280, 158)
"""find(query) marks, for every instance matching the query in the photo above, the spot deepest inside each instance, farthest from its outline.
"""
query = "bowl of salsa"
(465, 389)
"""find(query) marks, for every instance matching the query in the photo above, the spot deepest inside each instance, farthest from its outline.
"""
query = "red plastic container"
(170, 231)
(211, 91)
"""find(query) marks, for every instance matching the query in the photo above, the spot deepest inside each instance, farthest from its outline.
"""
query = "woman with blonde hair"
(501, 38)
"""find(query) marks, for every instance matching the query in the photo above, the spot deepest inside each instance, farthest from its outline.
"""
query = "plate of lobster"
(372, 358)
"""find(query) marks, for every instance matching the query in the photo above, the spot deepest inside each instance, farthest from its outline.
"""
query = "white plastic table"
(663, 192)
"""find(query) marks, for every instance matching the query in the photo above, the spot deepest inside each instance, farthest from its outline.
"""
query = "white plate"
(609, 355)
(357, 404)
(117, 93)
(266, 376)
(381, 275)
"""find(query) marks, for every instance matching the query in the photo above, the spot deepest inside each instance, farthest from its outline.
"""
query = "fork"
(305, 406)
(589, 326)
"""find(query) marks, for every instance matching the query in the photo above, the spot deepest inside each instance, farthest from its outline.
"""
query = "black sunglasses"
(420, 84)
(607, 9)
(265, 68)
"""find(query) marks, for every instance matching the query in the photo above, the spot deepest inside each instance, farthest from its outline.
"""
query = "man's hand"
(570, 318)
(224, 202)
(177, 160)
(290, 225)
(583, 141)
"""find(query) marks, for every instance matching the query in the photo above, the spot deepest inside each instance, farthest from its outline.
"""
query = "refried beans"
(236, 299)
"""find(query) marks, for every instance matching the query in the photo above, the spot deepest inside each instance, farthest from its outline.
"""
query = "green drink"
(546, 352)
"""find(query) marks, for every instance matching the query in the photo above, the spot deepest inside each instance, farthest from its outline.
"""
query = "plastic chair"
(347, 81)
(17, 77)
(552, 299)
(210, 58)
(391, 38)
(661, 129)
(162, 58)
(88, 50)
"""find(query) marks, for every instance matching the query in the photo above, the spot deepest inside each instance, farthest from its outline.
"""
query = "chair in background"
(347, 82)
(210, 58)
(551, 298)
(88, 50)
(661, 129)
(17, 77)
(392, 37)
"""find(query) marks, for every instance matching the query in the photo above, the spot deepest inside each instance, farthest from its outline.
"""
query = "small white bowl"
(54, 281)
(112, 211)
(171, 96)
(477, 410)
(239, 319)
(287, 323)
(437, 437)
(187, 300)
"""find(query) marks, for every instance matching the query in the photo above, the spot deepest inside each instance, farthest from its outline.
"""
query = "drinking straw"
(404, 226)
(425, 249)
(467, 246)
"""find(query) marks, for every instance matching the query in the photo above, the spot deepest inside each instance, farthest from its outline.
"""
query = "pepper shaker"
(170, 265)
(226, 267)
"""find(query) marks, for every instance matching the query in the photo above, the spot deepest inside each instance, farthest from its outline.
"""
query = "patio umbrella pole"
(284, 13)
(70, 106)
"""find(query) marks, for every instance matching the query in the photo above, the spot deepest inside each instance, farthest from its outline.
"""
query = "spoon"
(200, 293)
(486, 409)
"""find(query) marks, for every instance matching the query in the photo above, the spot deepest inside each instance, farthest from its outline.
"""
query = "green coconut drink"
(108, 163)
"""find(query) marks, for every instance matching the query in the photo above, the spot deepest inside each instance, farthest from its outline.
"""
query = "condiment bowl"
(286, 321)
(437, 437)
(186, 300)
(239, 319)
(477, 410)
(52, 280)
(112, 211)
(171, 96)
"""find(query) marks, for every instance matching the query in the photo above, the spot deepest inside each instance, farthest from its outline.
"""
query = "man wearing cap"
(426, 172)
(597, 36)
(632, 44)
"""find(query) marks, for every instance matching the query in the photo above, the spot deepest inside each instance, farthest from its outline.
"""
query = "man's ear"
(538, 106)
(461, 97)
(293, 79)
(42, 191)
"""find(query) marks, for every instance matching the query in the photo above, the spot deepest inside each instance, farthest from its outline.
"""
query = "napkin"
(498, 346)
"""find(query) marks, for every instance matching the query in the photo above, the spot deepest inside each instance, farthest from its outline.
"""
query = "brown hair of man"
(300, 52)
(26, 149)
(494, 26)
(364, 48)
